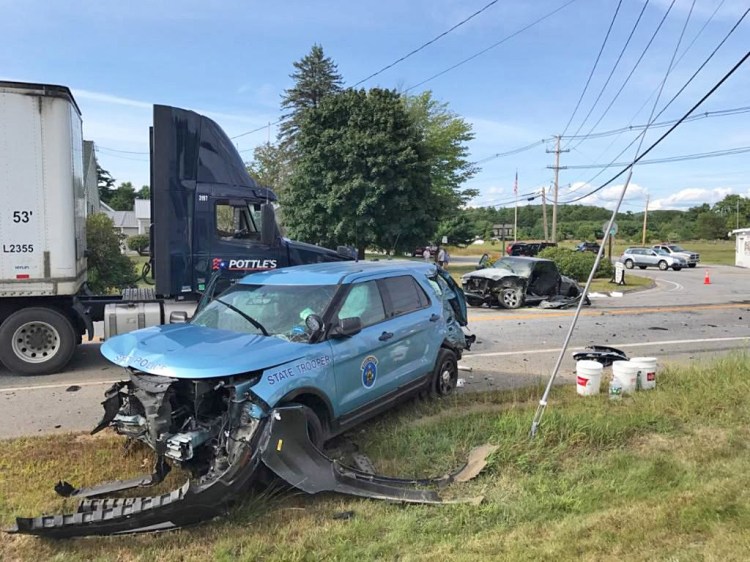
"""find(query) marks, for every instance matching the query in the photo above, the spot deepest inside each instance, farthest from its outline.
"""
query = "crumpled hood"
(492, 273)
(194, 352)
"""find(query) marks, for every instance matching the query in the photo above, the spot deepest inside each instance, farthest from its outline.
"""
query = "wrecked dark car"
(515, 281)
(260, 378)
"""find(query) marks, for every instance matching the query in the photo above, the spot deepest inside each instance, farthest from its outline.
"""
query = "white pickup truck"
(675, 250)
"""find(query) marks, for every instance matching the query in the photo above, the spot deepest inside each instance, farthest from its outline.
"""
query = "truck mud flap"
(193, 502)
(293, 457)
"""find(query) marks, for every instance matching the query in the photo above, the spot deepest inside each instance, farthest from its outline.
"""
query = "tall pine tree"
(315, 77)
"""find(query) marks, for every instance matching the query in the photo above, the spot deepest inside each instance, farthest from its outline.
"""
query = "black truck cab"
(207, 212)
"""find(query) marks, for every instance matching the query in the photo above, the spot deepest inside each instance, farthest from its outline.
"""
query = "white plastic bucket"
(627, 373)
(588, 377)
(646, 372)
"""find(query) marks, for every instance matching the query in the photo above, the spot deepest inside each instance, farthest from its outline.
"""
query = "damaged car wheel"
(314, 426)
(446, 373)
(511, 297)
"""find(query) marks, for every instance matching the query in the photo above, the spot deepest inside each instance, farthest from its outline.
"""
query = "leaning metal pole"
(639, 155)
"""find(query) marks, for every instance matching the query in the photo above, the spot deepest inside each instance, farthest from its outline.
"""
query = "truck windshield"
(280, 309)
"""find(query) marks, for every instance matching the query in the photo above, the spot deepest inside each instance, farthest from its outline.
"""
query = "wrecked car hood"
(193, 352)
(492, 273)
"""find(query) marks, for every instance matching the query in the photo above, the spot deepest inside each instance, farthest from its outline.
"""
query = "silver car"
(649, 257)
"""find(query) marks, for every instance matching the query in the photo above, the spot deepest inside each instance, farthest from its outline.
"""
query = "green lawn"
(713, 252)
(661, 475)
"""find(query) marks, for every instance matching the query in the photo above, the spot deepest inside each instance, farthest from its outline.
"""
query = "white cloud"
(689, 197)
(606, 197)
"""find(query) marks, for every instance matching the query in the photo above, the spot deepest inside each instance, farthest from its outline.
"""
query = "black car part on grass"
(602, 353)
(281, 442)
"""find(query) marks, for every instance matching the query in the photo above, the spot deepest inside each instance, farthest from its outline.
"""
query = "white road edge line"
(642, 344)
(52, 386)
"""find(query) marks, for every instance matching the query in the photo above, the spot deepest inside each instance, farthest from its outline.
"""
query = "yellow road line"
(609, 312)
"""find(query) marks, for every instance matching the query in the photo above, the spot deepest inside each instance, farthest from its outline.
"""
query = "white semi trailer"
(42, 227)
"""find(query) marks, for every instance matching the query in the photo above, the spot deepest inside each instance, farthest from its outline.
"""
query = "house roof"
(124, 219)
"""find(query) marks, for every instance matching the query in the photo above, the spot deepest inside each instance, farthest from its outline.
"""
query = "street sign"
(612, 231)
(445, 239)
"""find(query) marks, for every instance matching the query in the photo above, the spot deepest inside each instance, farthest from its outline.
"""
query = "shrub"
(139, 243)
(576, 264)
(108, 268)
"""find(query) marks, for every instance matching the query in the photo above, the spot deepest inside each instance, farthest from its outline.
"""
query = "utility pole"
(738, 213)
(645, 222)
(557, 169)
(544, 215)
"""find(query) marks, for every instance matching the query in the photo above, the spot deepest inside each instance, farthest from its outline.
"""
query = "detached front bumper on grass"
(217, 432)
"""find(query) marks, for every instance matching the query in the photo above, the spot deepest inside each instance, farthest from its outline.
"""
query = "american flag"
(515, 184)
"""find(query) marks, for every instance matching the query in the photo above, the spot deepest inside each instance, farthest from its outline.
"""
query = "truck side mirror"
(178, 317)
(269, 232)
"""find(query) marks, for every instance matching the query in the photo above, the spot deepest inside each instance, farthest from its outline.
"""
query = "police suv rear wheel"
(445, 375)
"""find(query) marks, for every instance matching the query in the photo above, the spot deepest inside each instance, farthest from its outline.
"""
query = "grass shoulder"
(660, 475)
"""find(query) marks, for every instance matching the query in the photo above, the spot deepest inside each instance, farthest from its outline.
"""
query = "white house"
(742, 251)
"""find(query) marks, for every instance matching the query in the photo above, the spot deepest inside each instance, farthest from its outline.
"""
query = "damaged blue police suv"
(260, 377)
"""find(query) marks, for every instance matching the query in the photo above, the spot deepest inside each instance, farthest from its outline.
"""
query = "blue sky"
(231, 59)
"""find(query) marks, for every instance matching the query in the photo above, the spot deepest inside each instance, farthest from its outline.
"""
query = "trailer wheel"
(36, 341)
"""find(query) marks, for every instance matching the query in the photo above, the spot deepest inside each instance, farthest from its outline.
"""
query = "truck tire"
(36, 341)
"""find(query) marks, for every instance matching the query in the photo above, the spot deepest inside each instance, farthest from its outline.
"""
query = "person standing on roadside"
(426, 254)
(441, 257)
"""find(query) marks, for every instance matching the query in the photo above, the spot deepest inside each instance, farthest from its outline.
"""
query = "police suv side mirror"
(178, 317)
(347, 327)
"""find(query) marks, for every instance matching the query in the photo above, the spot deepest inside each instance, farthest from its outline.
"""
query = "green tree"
(446, 137)
(315, 77)
(108, 269)
(459, 229)
(143, 193)
(735, 210)
(362, 175)
(270, 166)
(710, 226)
(123, 198)
(106, 183)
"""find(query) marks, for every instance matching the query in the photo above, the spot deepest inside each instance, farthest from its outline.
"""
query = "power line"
(671, 129)
(679, 59)
(424, 45)
(596, 62)
(513, 151)
(602, 134)
(666, 159)
(99, 147)
(676, 95)
(637, 63)
(498, 43)
(611, 72)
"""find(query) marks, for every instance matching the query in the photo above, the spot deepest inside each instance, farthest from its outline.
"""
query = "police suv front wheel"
(445, 375)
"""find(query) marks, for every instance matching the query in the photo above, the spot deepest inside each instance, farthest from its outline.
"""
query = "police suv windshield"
(280, 309)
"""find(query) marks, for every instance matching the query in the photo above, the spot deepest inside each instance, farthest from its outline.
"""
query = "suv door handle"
(434, 317)
(385, 336)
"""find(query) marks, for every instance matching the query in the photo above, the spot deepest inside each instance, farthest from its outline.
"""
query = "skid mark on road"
(608, 312)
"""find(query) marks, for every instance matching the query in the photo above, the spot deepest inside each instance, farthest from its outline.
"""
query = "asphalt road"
(680, 320)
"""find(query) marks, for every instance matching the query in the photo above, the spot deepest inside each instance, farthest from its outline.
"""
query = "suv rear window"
(404, 295)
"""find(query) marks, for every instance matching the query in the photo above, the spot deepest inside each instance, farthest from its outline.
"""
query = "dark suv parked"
(530, 249)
